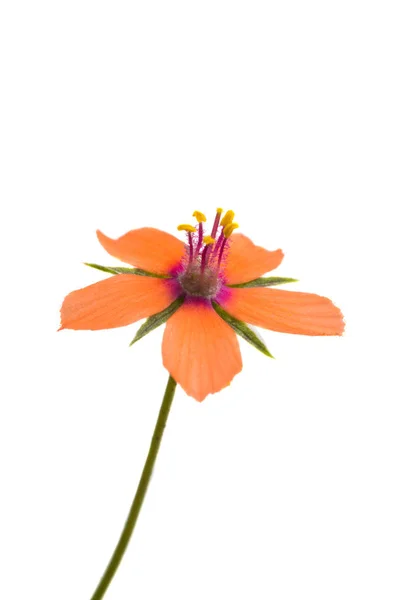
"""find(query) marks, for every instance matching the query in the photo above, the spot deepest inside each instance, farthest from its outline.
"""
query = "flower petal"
(115, 302)
(245, 261)
(147, 248)
(200, 350)
(288, 312)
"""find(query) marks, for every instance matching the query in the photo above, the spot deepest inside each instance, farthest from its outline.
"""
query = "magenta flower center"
(196, 282)
(202, 273)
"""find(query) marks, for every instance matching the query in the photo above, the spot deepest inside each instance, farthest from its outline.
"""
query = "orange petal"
(288, 312)
(146, 248)
(115, 302)
(245, 261)
(200, 350)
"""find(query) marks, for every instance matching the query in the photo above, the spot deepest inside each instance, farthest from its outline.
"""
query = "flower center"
(196, 282)
(201, 276)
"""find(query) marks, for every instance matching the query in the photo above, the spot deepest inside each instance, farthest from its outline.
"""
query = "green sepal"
(242, 329)
(158, 319)
(126, 271)
(264, 282)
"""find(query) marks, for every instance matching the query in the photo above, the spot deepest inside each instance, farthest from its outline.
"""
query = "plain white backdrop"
(116, 115)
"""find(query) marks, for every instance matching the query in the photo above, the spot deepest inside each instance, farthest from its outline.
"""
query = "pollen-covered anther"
(227, 218)
(219, 210)
(229, 229)
(208, 239)
(200, 217)
(185, 227)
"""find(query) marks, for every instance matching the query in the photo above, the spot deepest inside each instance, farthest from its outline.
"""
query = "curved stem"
(140, 492)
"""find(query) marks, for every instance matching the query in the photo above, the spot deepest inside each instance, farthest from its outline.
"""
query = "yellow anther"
(200, 217)
(227, 218)
(186, 227)
(208, 240)
(220, 210)
(229, 229)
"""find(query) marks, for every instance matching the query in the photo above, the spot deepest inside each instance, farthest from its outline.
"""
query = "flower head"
(206, 290)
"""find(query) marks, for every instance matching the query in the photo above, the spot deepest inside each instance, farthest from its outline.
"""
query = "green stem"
(140, 493)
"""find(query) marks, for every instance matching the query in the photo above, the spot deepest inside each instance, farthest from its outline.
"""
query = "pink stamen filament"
(200, 238)
(208, 250)
(221, 251)
(215, 225)
(205, 255)
(212, 251)
(217, 245)
(191, 248)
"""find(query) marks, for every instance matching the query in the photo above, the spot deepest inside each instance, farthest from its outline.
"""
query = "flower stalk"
(140, 493)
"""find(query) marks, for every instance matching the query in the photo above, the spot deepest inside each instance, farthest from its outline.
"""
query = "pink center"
(202, 275)
(196, 282)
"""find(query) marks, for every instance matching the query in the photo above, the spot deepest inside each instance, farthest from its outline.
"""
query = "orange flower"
(205, 290)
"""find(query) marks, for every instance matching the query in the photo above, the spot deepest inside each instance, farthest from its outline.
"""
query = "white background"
(124, 114)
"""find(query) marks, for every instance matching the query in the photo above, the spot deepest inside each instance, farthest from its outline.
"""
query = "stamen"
(226, 233)
(208, 239)
(200, 217)
(217, 245)
(227, 218)
(221, 251)
(216, 222)
(185, 227)
(191, 248)
(229, 229)
(200, 238)
(204, 257)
